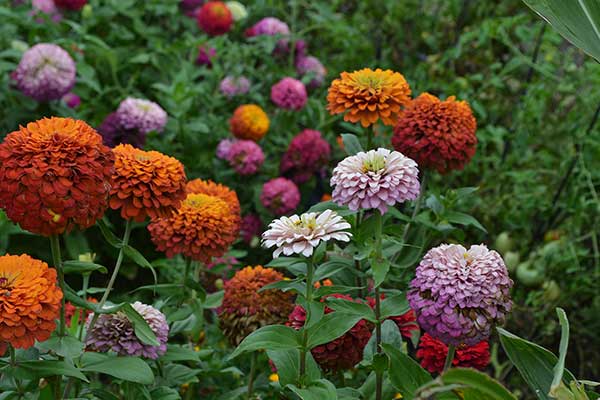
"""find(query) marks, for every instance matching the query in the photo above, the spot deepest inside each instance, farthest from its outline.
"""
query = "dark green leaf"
(463, 219)
(405, 373)
(381, 267)
(332, 267)
(394, 305)
(390, 334)
(139, 259)
(213, 300)
(82, 267)
(110, 237)
(353, 308)
(487, 387)
(66, 346)
(559, 368)
(326, 290)
(130, 369)
(36, 369)
(272, 337)
(319, 390)
(164, 393)
(287, 363)
(140, 326)
(180, 353)
(330, 327)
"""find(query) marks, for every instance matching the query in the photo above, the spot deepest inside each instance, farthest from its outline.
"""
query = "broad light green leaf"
(559, 368)
(351, 144)
(319, 390)
(394, 305)
(351, 307)
(66, 346)
(272, 337)
(36, 369)
(288, 364)
(484, 385)
(130, 369)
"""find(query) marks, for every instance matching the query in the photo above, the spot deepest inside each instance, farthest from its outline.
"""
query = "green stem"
(13, 356)
(86, 284)
(449, 357)
(113, 277)
(415, 212)
(358, 263)
(309, 293)
(252, 375)
(370, 133)
(57, 260)
(378, 254)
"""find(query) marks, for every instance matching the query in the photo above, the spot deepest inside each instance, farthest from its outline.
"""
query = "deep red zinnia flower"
(342, 353)
(306, 155)
(436, 134)
(433, 352)
(70, 4)
(407, 322)
(214, 18)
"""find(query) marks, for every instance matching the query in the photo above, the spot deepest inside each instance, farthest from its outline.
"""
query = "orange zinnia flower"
(146, 183)
(368, 96)
(249, 122)
(30, 300)
(245, 308)
(203, 227)
(198, 186)
(54, 175)
(436, 134)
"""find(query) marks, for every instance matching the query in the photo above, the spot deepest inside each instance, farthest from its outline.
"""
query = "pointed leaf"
(140, 326)
(130, 369)
(272, 337)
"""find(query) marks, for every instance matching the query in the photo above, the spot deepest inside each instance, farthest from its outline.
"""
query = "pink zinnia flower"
(140, 114)
(312, 67)
(245, 156)
(375, 179)
(46, 7)
(223, 149)
(289, 93)
(280, 196)
(307, 153)
(231, 86)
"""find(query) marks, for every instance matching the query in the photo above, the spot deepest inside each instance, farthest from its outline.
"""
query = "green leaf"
(330, 327)
(390, 334)
(559, 368)
(130, 369)
(140, 326)
(180, 353)
(353, 308)
(485, 386)
(287, 363)
(213, 300)
(66, 346)
(177, 374)
(578, 21)
(110, 237)
(36, 369)
(294, 285)
(464, 219)
(272, 337)
(394, 305)
(326, 290)
(332, 267)
(405, 373)
(82, 267)
(381, 267)
(351, 144)
(139, 259)
(534, 363)
(319, 390)
(164, 393)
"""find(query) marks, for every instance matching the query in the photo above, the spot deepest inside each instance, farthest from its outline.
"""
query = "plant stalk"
(378, 254)
(449, 357)
(252, 376)
(57, 260)
(309, 293)
(414, 214)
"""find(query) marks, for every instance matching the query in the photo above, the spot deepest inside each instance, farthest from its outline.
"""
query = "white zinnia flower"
(301, 234)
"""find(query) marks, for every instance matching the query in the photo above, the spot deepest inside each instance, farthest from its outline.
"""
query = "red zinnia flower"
(214, 18)
(70, 4)
(436, 134)
(433, 352)
(407, 322)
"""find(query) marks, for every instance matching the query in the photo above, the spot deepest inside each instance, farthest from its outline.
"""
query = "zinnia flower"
(46, 7)
(71, 100)
(115, 332)
(341, 353)
(249, 121)
(280, 196)
(238, 10)
(203, 227)
(459, 294)
(46, 72)
(208, 187)
(114, 133)
(433, 353)
(74, 5)
(367, 96)
(246, 308)
(251, 227)
(214, 18)
(142, 115)
(71, 310)
(269, 26)
(190, 7)
(146, 183)
(307, 153)
(30, 300)
(223, 149)
(289, 93)
(436, 134)
(234, 86)
(375, 179)
(302, 234)
(55, 174)
(205, 55)
(311, 66)
(246, 157)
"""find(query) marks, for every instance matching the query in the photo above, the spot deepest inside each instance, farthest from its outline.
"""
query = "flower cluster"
(115, 332)
(459, 294)
(280, 196)
(30, 300)
(289, 94)
(433, 353)
(437, 134)
(245, 308)
(55, 174)
(250, 122)
(375, 179)
(307, 153)
(146, 183)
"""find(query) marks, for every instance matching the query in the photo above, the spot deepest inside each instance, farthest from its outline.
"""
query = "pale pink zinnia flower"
(375, 179)
(301, 234)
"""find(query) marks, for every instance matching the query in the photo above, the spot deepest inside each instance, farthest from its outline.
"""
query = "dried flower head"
(55, 174)
(250, 122)
(367, 96)
(436, 134)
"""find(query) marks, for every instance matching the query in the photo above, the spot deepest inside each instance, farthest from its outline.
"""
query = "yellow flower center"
(374, 164)
(274, 378)
(198, 200)
(55, 216)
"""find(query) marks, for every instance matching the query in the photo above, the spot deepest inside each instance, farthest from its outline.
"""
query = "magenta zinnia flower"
(312, 67)
(142, 115)
(114, 332)
(307, 153)
(459, 294)
(71, 100)
(231, 86)
(280, 196)
(289, 93)
(46, 72)
(205, 55)
(251, 227)
(245, 156)
(375, 179)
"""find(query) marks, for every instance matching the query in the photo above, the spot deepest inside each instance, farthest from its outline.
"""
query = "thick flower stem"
(309, 292)
(57, 261)
(113, 277)
(449, 357)
(252, 375)
(378, 253)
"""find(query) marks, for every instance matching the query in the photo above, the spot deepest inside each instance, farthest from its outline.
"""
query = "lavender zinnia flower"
(142, 115)
(289, 93)
(114, 133)
(270, 26)
(71, 100)
(312, 67)
(46, 72)
(301, 234)
(223, 149)
(245, 156)
(459, 294)
(114, 332)
(231, 86)
(375, 179)
(280, 196)
(307, 153)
